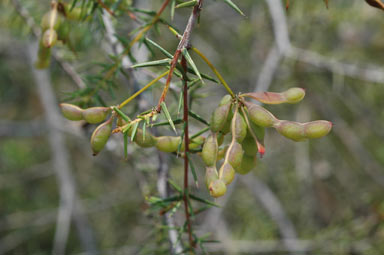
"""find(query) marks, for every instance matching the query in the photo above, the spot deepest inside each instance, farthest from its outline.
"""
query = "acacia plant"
(232, 141)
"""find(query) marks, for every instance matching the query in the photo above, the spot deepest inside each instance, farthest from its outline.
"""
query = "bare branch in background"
(280, 28)
(272, 205)
(60, 160)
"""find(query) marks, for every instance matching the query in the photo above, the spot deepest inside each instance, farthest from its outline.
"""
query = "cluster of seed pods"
(55, 28)
(244, 121)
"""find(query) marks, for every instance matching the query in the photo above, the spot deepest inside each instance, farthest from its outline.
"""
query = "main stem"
(186, 142)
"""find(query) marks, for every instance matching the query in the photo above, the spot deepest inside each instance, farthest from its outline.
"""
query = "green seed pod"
(260, 116)
(210, 149)
(219, 117)
(195, 143)
(46, 21)
(235, 155)
(100, 136)
(227, 173)
(247, 164)
(227, 99)
(240, 127)
(49, 38)
(95, 115)
(249, 145)
(167, 143)
(220, 138)
(291, 130)
(71, 112)
(227, 125)
(144, 141)
(294, 95)
(221, 153)
(317, 129)
(217, 188)
(74, 14)
(210, 175)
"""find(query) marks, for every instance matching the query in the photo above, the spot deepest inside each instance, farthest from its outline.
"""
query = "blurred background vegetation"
(317, 197)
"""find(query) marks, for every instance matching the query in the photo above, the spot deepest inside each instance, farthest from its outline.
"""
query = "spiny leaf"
(173, 3)
(166, 123)
(161, 62)
(164, 51)
(134, 130)
(180, 105)
(191, 63)
(174, 185)
(193, 170)
(197, 117)
(187, 4)
(125, 117)
(144, 129)
(168, 116)
(234, 6)
(202, 200)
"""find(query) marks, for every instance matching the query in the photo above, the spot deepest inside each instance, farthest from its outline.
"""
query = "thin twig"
(183, 44)
(186, 145)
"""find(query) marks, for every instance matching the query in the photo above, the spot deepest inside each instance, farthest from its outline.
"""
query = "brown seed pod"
(210, 150)
(240, 127)
(235, 154)
(260, 116)
(291, 130)
(71, 112)
(100, 136)
(167, 143)
(210, 175)
(227, 173)
(95, 115)
(217, 188)
(144, 141)
(49, 38)
(249, 145)
(247, 164)
(317, 129)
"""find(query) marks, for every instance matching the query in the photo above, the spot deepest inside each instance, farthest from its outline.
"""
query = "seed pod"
(49, 38)
(222, 152)
(219, 117)
(95, 115)
(227, 99)
(317, 129)
(217, 188)
(291, 130)
(260, 116)
(227, 173)
(167, 143)
(210, 149)
(100, 136)
(235, 155)
(249, 145)
(240, 127)
(227, 125)
(294, 95)
(247, 164)
(74, 14)
(71, 112)
(210, 175)
(46, 21)
(144, 141)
